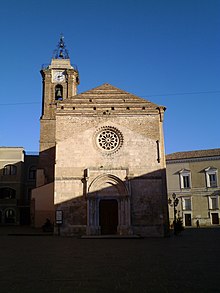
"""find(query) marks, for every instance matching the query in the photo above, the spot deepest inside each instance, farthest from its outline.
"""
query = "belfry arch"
(105, 190)
(58, 92)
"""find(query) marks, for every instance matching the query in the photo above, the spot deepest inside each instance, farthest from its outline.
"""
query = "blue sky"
(166, 51)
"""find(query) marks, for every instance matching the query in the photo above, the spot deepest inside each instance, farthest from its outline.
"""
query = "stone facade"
(106, 149)
(194, 177)
(132, 174)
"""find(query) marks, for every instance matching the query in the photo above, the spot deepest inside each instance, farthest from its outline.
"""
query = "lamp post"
(174, 202)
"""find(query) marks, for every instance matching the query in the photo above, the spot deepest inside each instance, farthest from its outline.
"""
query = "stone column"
(124, 225)
(93, 217)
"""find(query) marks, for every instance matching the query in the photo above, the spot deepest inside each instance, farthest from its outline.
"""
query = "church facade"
(102, 165)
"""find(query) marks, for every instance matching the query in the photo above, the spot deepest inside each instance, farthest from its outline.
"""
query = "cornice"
(214, 158)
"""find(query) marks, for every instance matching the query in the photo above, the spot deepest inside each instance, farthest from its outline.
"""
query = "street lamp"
(174, 202)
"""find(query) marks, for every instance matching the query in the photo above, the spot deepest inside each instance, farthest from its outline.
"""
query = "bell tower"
(60, 80)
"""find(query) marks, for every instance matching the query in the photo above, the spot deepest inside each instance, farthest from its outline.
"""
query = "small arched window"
(10, 216)
(7, 193)
(59, 92)
(10, 170)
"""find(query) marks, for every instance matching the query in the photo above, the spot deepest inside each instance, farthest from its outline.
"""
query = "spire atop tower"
(61, 52)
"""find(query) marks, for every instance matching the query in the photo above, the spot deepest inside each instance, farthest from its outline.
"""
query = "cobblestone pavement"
(185, 263)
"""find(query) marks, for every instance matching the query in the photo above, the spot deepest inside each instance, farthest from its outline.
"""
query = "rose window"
(109, 139)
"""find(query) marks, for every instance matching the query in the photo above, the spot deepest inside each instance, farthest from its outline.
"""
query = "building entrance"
(188, 220)
(108, 216)
(215, 219)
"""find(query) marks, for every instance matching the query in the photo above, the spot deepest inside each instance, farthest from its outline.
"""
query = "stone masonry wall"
(76, 150)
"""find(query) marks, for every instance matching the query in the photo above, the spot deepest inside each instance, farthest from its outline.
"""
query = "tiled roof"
(193, 154)
(109, 99)
(112, 94)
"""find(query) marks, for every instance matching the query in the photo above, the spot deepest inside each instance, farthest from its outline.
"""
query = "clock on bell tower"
(60, 80)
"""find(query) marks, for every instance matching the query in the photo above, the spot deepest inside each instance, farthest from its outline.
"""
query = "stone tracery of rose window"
(109, 139)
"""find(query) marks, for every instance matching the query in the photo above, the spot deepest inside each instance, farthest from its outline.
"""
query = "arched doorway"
(108, 206)
(108, 216)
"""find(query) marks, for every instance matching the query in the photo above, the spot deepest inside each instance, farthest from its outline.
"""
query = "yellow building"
(17, 178)
(194, 178)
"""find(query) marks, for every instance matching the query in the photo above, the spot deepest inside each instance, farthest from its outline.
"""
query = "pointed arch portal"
(108, 206)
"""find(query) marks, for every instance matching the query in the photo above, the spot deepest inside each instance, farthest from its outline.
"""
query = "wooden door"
(188, 221)
(108, 216)
(215, 218)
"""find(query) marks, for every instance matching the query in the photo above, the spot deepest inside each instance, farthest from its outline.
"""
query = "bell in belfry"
(58, 95)
(61, 54)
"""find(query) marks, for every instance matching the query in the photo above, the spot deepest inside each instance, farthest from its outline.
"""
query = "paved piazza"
(186, 263)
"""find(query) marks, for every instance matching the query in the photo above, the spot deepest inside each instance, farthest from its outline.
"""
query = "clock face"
(59, 76)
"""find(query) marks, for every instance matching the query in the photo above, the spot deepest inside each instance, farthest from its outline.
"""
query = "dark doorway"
(188, 221)
(215, 218)
(108, 216)
(25, 216)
